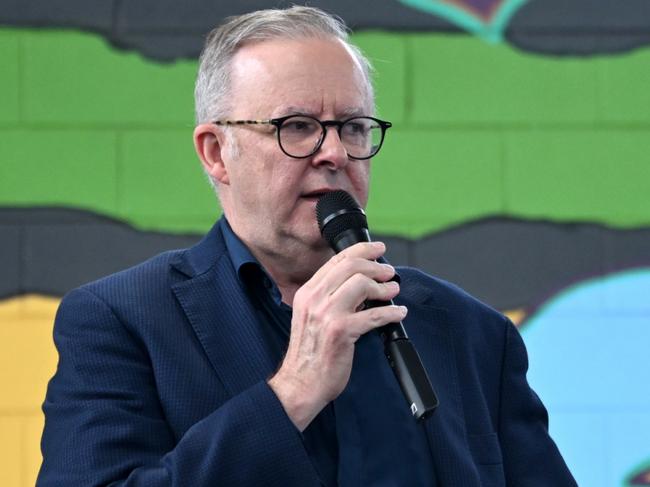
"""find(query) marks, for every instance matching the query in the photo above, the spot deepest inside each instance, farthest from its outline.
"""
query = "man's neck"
(292, 270)
(292, 267)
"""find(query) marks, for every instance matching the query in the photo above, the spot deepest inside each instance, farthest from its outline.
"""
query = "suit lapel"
(223, 319)
(431, 331)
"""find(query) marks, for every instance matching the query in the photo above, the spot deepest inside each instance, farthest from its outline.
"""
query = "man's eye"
(305, 126)
(355, 128)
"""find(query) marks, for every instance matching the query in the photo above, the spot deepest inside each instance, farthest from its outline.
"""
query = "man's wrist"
(299, 406)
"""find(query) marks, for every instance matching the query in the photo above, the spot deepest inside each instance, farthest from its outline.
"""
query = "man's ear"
(209, 143)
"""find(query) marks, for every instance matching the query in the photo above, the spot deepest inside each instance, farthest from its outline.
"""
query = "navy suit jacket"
(162, 376)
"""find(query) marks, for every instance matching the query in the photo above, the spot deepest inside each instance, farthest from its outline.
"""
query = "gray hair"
(213, 79)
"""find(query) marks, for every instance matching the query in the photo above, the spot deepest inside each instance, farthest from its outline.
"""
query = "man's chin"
(312, 241)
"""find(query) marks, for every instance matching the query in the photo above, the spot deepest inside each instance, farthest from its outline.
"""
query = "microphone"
(343, 223)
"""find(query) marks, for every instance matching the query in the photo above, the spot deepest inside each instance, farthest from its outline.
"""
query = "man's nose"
(332, 152)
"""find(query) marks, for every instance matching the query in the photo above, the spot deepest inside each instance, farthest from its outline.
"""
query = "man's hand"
(327, 321)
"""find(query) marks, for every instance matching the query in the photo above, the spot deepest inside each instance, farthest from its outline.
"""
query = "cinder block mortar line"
(437, 126)
(21, 76)
(598, 96)
(503, 161)
(410, 253)
(115, 16)
(21, 413)
(97, 126)
(408, 80)
(529, 125)
(24, 474)
(119, 173)
(22, 259)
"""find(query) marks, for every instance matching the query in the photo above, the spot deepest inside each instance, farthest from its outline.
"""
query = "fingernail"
(403, 310)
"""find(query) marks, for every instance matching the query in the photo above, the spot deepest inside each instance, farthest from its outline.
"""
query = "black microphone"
(343, 223)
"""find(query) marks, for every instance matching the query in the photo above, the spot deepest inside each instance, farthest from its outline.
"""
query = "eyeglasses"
(301, 136)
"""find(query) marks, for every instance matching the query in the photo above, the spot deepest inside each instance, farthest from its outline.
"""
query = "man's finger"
(360, 288)
(363, 250)
(369, 319)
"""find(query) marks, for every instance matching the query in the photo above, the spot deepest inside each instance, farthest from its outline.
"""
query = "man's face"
(269, 197)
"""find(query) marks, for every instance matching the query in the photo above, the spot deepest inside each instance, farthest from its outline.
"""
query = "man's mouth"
(316, 194)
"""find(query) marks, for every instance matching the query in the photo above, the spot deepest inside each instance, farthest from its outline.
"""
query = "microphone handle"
(402, 356)
(407, 366)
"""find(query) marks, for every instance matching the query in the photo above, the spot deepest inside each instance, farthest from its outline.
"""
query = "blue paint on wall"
(589, 351)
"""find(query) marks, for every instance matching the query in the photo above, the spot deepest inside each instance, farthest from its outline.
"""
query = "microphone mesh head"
(336, 212)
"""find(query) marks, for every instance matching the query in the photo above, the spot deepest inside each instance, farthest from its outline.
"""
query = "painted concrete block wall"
(89, 127)
(479, 130)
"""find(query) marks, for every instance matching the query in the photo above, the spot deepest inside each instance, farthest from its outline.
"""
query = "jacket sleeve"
(530, 456)
(104, 424)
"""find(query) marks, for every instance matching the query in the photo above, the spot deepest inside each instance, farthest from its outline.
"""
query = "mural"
(168, 30)
(517, 168)
(486, 18)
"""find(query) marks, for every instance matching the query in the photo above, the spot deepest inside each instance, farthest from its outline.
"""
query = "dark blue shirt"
(367, 436)
(275, 318)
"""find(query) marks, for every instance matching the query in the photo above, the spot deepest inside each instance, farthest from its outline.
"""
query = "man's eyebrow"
(296, 110)
(292, 110)
(355, 111)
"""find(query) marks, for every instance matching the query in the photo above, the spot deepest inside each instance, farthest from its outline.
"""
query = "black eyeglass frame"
(277, 123)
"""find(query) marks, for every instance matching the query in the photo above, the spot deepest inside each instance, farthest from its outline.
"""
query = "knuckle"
(375, 315)
(349, 265)
(390, 287)
(336, 330)
(358, 279)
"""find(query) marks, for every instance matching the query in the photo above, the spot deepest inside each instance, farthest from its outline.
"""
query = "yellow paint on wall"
(10, 451)
(517, 316)
(32, 431)
(27, 361)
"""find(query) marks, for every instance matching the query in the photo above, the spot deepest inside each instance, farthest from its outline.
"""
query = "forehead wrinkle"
(302, 110)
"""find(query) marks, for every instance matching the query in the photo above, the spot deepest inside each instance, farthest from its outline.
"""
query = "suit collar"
(199, 258)
(223, 318)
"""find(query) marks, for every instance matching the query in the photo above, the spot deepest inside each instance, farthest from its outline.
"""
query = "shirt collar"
(237, 250)
(244, 261)
(246, 266)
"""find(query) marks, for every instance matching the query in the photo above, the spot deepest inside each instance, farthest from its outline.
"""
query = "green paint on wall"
(9, 77)
(162, 184)
(479, 130)
(458, 177)
(463, 80)
(77, 78)
(59, 168)
(599, 175)
(622, 97)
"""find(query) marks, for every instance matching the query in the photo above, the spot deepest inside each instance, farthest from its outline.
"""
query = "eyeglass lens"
(300, 136)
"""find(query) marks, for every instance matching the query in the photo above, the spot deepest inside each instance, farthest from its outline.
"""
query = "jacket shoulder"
(432, 291)
(153, 272)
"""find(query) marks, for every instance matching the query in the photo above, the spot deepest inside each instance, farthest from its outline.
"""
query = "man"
(250, 359)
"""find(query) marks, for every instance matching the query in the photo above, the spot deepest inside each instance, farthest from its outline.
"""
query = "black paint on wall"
(166, 30)
(505, 262)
